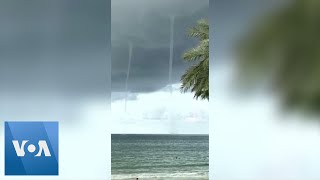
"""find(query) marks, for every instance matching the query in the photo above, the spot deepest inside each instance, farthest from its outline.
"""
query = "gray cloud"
(58, 46)
(61, 47)
(147, 25)
(54, 58)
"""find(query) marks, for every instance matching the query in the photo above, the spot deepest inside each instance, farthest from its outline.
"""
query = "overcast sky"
(53, 54)
(55, 65)
(146, 23)
(54, 46)
(150, 107)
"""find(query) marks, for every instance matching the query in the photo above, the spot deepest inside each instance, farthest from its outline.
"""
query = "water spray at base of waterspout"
(128, 75)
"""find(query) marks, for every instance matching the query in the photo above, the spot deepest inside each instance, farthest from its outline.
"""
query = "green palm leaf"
(196, 78)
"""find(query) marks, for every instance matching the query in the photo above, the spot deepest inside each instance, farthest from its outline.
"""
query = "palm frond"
(201, 30)
(196, 78)
(199, 52)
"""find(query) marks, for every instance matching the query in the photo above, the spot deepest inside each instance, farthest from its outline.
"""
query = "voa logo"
(43, 147)
(31, 148)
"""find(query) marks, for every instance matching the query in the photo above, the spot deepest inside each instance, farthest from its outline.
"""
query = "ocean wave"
(159, 176)
(163, 166)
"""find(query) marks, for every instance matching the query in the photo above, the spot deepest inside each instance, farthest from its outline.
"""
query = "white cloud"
(151, 113)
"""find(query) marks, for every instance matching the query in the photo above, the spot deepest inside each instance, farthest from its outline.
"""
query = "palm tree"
(196, 78)
(285, 48)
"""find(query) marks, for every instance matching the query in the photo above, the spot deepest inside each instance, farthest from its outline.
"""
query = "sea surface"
(160, 157)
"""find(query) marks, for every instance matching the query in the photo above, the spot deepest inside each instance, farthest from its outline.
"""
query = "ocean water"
(159, 157)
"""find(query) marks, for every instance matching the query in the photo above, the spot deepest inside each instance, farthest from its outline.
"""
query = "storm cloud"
(55, 56)
(146, 24)
(58, 47)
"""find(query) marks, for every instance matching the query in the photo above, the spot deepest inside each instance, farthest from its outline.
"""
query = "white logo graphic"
(31, 148)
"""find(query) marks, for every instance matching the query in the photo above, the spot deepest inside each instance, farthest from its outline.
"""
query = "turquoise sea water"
(160, 157)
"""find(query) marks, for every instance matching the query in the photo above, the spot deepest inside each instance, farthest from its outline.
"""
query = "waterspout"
(171, 52)
(171, 121)
(128, 75)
